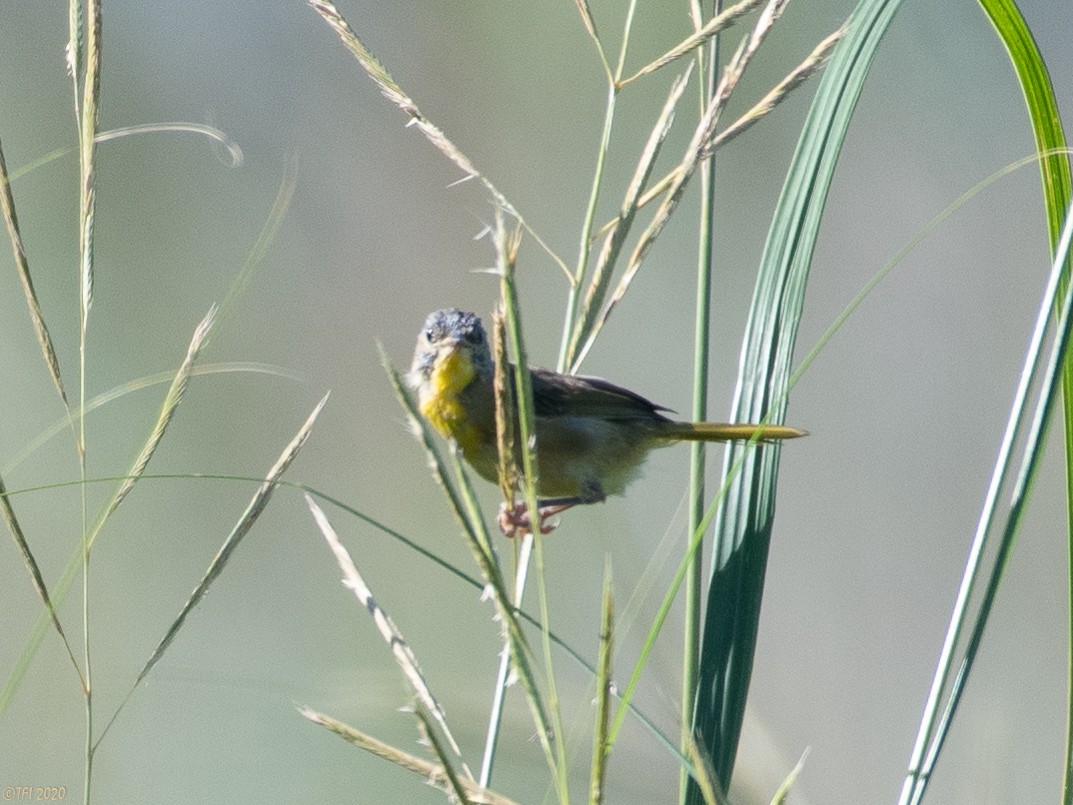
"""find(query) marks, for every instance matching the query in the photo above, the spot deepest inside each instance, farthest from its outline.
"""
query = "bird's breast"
(441, 399)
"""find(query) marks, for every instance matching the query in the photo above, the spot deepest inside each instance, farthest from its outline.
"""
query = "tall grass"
(733, 519)
(597, 285)
(84, 63)
(717, 660)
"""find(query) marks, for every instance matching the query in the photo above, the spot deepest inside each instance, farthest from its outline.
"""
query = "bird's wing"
(556, 394)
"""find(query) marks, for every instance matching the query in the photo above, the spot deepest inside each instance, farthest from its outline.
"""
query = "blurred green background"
(906, 405)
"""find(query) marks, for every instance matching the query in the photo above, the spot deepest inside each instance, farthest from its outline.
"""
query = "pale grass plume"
(167, 410)
(74, 49)
(38, 580)
(455, 784)
(22, 265)
(432, 772)
(719, 22)
(420, 431)
(783, 794)
(704, 774)
(589, 22)
(672, 187)
(504, 398)
(815, 61)
(404, 656)
(617, 231)
(394, 93)
(549, 730)
(256, 506)
(88, 114)
(587, 19)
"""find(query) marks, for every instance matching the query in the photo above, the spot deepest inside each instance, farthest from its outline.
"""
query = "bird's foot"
(514, 520)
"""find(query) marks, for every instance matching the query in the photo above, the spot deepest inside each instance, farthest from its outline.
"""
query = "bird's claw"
(514, 520)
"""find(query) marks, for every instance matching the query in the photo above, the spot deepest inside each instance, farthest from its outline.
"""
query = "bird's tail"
(721, 432)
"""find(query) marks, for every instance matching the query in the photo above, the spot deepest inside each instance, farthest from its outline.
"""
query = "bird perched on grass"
(591, 436)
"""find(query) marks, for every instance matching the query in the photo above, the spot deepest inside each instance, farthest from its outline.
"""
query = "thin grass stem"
(506, 253)
(508, 474)
(456, 786)
(87, 114)
(234, 152)
(590, 28)
(708, 63)
(604, 684)
(585, 243)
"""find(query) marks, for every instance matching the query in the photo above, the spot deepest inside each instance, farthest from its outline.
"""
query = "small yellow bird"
(591, 436)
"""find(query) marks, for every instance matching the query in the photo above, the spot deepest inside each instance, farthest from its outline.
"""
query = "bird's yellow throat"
(441, 406)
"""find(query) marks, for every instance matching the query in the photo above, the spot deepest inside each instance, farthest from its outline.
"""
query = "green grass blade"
(744, 524)
(1042, 107)
(708, 61)
(1011, 491)
(1055, 173)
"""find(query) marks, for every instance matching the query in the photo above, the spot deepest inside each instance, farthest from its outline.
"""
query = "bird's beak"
(447, 347)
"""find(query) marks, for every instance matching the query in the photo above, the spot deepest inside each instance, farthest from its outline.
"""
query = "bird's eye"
(430, 334)
(476, 336)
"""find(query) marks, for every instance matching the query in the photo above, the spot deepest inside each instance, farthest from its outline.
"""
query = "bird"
(591, 436)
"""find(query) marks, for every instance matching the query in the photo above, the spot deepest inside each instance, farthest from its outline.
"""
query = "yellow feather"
(441, 405)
